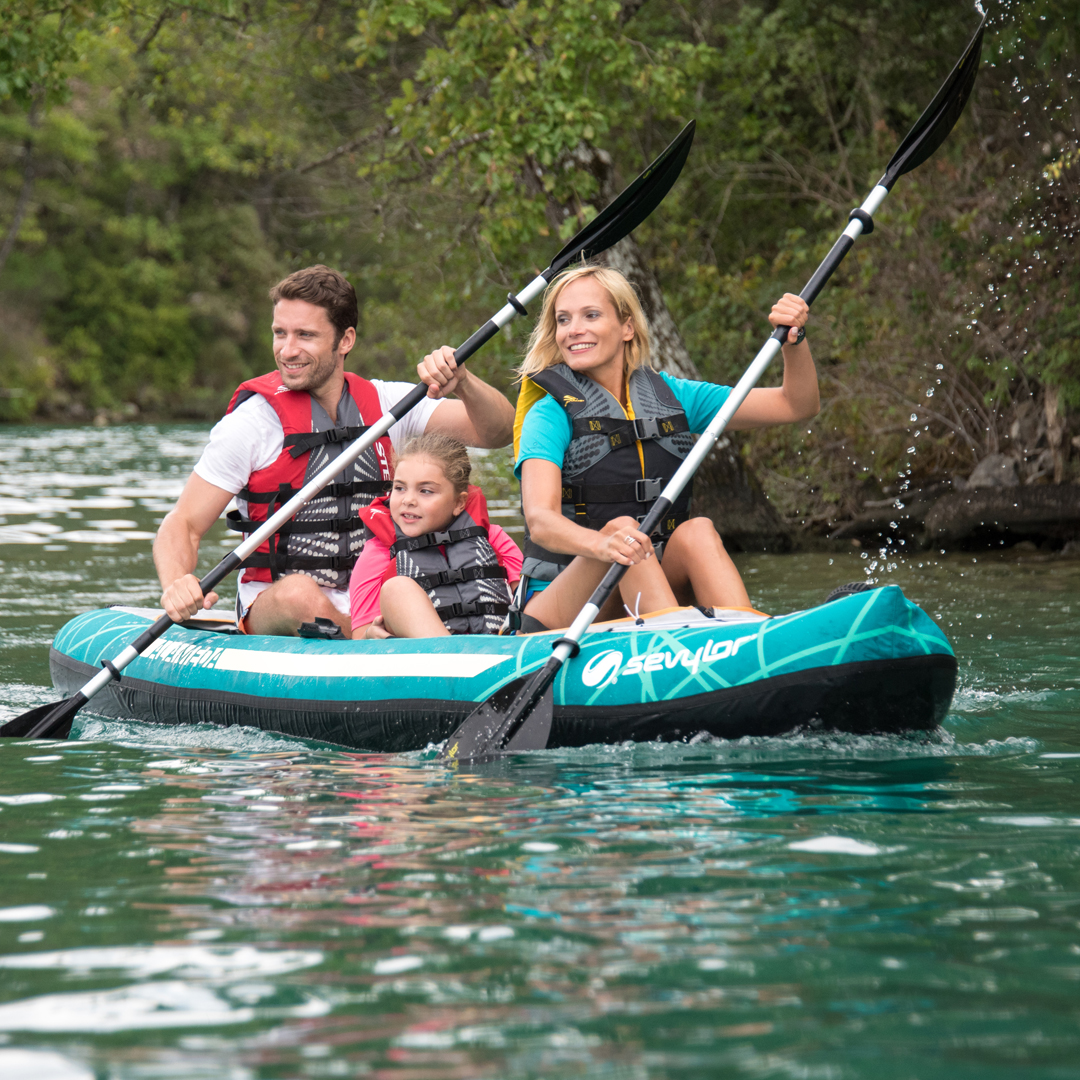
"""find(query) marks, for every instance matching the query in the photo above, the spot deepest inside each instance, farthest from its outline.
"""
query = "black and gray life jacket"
(602, 475)
(458, 568)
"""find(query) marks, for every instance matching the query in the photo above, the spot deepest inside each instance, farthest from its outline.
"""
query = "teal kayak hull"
(868, 662)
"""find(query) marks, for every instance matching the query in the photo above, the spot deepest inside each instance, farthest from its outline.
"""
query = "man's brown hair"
(325, 288)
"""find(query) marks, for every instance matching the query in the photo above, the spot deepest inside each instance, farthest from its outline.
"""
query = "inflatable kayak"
(869, 662)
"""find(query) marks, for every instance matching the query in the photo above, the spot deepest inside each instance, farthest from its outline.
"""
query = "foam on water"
(19, 1064)
(149, 1006)
(189, 961)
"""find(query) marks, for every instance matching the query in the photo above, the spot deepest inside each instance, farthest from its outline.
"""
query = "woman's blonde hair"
(544, 353)
(449, 452)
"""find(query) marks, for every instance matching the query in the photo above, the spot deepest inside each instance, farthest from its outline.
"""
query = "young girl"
(434, 565)
(599, 434)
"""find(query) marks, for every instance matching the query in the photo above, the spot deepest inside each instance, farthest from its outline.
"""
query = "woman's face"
(422, 499)
(588, 332)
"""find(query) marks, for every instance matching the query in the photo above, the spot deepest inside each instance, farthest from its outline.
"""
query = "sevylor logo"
(605, 668)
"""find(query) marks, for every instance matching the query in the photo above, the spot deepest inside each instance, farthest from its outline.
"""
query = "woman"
(600, 433)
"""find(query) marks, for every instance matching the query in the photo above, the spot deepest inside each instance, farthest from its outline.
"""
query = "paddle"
(619, 219)
(519, 715)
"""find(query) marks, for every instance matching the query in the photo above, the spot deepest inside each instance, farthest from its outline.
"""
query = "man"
(282, 428)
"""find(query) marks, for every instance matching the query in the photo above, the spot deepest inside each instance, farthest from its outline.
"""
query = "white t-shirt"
(251, 438)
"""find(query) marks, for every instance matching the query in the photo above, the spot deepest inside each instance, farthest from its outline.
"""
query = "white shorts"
(246, 592)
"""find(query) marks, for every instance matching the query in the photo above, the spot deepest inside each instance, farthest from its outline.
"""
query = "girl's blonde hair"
(449, 452)
(544, 353)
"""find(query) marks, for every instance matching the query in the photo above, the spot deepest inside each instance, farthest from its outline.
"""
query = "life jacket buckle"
(336, 435)
(454, 576)
(441, 538)
(648, 490)
(647, 427)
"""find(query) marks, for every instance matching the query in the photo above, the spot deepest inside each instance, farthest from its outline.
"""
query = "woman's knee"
(621, 524)
(696, 532)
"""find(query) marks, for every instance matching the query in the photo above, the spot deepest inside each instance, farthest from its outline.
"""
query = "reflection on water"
(213, 903)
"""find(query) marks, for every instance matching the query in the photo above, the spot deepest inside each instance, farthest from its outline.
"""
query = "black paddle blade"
(46, 721)
(631, 207)
(498, 725)
(940, 116)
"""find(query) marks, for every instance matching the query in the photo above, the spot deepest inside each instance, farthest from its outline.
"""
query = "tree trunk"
(22, 204)
(725, 489)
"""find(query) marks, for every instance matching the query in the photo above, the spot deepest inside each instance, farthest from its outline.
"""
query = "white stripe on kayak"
(385, 665)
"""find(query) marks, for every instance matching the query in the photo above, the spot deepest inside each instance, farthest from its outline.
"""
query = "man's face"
(304, 345)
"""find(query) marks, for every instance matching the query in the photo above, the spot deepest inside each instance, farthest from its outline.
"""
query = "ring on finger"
(630, 539)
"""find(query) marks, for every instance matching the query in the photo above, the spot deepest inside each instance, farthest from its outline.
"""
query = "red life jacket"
(458, 568)
(325, 537)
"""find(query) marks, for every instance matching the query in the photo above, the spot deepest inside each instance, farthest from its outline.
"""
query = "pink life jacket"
(457, 567)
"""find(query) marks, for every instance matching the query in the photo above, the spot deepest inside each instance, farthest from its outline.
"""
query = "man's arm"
(176, 546)
(480, 417)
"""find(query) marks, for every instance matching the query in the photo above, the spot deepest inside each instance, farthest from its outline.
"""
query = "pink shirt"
(375, 560)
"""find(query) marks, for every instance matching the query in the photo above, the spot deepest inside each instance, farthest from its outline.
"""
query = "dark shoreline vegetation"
(161, 166)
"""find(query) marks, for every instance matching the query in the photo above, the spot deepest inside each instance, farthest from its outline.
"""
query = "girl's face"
(422, 499)
(588, 332)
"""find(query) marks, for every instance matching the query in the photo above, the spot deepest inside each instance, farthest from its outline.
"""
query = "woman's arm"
(541, 498)
(798, 398)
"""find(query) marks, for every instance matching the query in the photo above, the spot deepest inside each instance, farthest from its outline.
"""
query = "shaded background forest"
(161, 164)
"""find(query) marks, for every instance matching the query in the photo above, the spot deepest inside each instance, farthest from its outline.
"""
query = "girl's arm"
(365, 583)
(798, 398)
(509, 554)
(541, 498)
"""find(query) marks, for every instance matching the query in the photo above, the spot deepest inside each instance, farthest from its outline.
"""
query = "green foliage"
(38, 38)
(501, 103)
(438, 153)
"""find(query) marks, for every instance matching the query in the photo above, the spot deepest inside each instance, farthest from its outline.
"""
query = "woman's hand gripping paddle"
(619, 219)
(519, 715)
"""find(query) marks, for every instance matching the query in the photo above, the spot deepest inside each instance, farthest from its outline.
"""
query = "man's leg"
(290, 601)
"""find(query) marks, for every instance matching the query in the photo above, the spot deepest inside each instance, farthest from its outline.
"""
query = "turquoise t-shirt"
(546, 430)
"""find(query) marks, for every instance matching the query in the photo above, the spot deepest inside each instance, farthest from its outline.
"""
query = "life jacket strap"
(334, 491)
(454, 577)
(436, 539)
(302, 442)
(641, 491)
(279, 562)
(234, 521)
(621, 433)
(457, 611)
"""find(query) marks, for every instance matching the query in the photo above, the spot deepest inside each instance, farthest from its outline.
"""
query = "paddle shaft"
(618, 219)
(567, 646)
(251, 543)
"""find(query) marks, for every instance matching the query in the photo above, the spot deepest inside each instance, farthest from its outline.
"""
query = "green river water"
(225, 904)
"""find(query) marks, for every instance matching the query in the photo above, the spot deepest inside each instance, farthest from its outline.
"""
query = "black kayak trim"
(867, 697)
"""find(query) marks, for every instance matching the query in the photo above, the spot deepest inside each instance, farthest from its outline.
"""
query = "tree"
(512, 102)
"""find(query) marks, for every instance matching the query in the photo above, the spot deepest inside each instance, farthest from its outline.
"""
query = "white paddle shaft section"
(105, 676)
(753, 373)
(562, 651)
(529, 293)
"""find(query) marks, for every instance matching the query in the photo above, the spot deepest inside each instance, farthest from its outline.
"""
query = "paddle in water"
(617, 220)
(519, 715)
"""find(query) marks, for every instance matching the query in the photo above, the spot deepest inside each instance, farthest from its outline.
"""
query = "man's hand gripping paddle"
(619, 219)
(519, 715)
